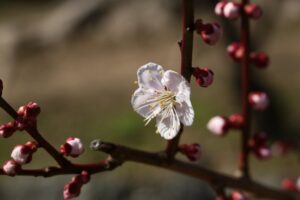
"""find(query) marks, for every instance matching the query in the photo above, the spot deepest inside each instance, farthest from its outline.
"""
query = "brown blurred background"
(78, 60)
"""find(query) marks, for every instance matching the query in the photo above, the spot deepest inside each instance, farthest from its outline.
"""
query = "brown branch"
(34, 133)
(245, 77)
(186, 49)
(123, 154)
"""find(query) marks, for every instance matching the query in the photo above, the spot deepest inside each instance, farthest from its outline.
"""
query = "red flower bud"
(260, 59)
(238, 196)
(289, 185)
(11, 167)
(71, 190)
(258, 100)
(210, 33)
(219, 8)
(235, 51)
(204, 77)
(236, 120)
(6, 130)
(253, 11)
(232, 10)
(192, 151)
(258, 145)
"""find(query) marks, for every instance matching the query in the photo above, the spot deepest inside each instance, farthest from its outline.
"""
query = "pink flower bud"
(1, 87)
(219, 8)
(253, 11)
(260, 59)
(71, 190)
(238, 196)
(263, 152)
(231, 10)
(258, 145)
(204, 77)
(6, 130)
(289, 185)
(192, 151)
(235, 51)
(73, 147)
(11, 167)
(211, 33)
(21, 154)
(236, 120)
(258, 100)
(218, 125)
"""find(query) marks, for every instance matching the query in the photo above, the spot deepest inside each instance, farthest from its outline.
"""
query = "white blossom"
(164, 95)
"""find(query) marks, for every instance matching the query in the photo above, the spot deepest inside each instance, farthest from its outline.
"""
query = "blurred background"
(78, 59)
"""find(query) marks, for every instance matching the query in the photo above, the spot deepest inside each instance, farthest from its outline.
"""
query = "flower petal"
(168, 124)
(140, 102)
(150, 76)
(185, 112)
(177, 84)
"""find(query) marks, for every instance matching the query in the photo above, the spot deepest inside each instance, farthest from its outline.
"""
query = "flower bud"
(204, 77)
(253, 11)
(258, 100)
(83, 178)
(219, 8)
(262, 152)
(232, 10)
(32, 110)
(22, 154)
(72, 147)
(289, 185)
(258, 139)
(238, 196)
(235, 51)
(260, 59)
(236, 120)
(258, 145)
(33, 145)
(210, 33)
(218, 125)
(192, 151)
(11, 167)
(71, 190)
(6, 130)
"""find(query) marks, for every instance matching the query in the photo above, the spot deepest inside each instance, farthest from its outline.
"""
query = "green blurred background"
(78, 60)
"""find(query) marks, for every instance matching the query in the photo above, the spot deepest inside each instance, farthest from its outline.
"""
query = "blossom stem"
(186, 48)
(245, 86)
(34, 133)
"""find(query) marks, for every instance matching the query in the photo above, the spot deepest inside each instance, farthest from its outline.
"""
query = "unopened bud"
(72, 147)
(238, 196)
(71, 190)
(235, 51)
(219, 8)
(236, 120)
(258, 100)
(253, 11)
(204, 77)
(289, 185)
(218, 125)
(11, 167)
(260, 59)
(21, 154)
(232, 10)
(210, 33)
(192, 151)
(6, 130)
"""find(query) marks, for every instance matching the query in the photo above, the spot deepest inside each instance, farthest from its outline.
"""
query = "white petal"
(150, 76)
(168, 124)
(177, 84)
(140, 102)
(185, 112)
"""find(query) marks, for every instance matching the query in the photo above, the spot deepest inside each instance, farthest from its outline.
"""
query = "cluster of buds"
(21, 154)
(232, 10)
(219, 125)
(236, 52)
(258, 145)
(72, 189)
(258, 100)
(27, 115)
(72, 147)
(204, 76)
(191, 151)
(210, 32)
